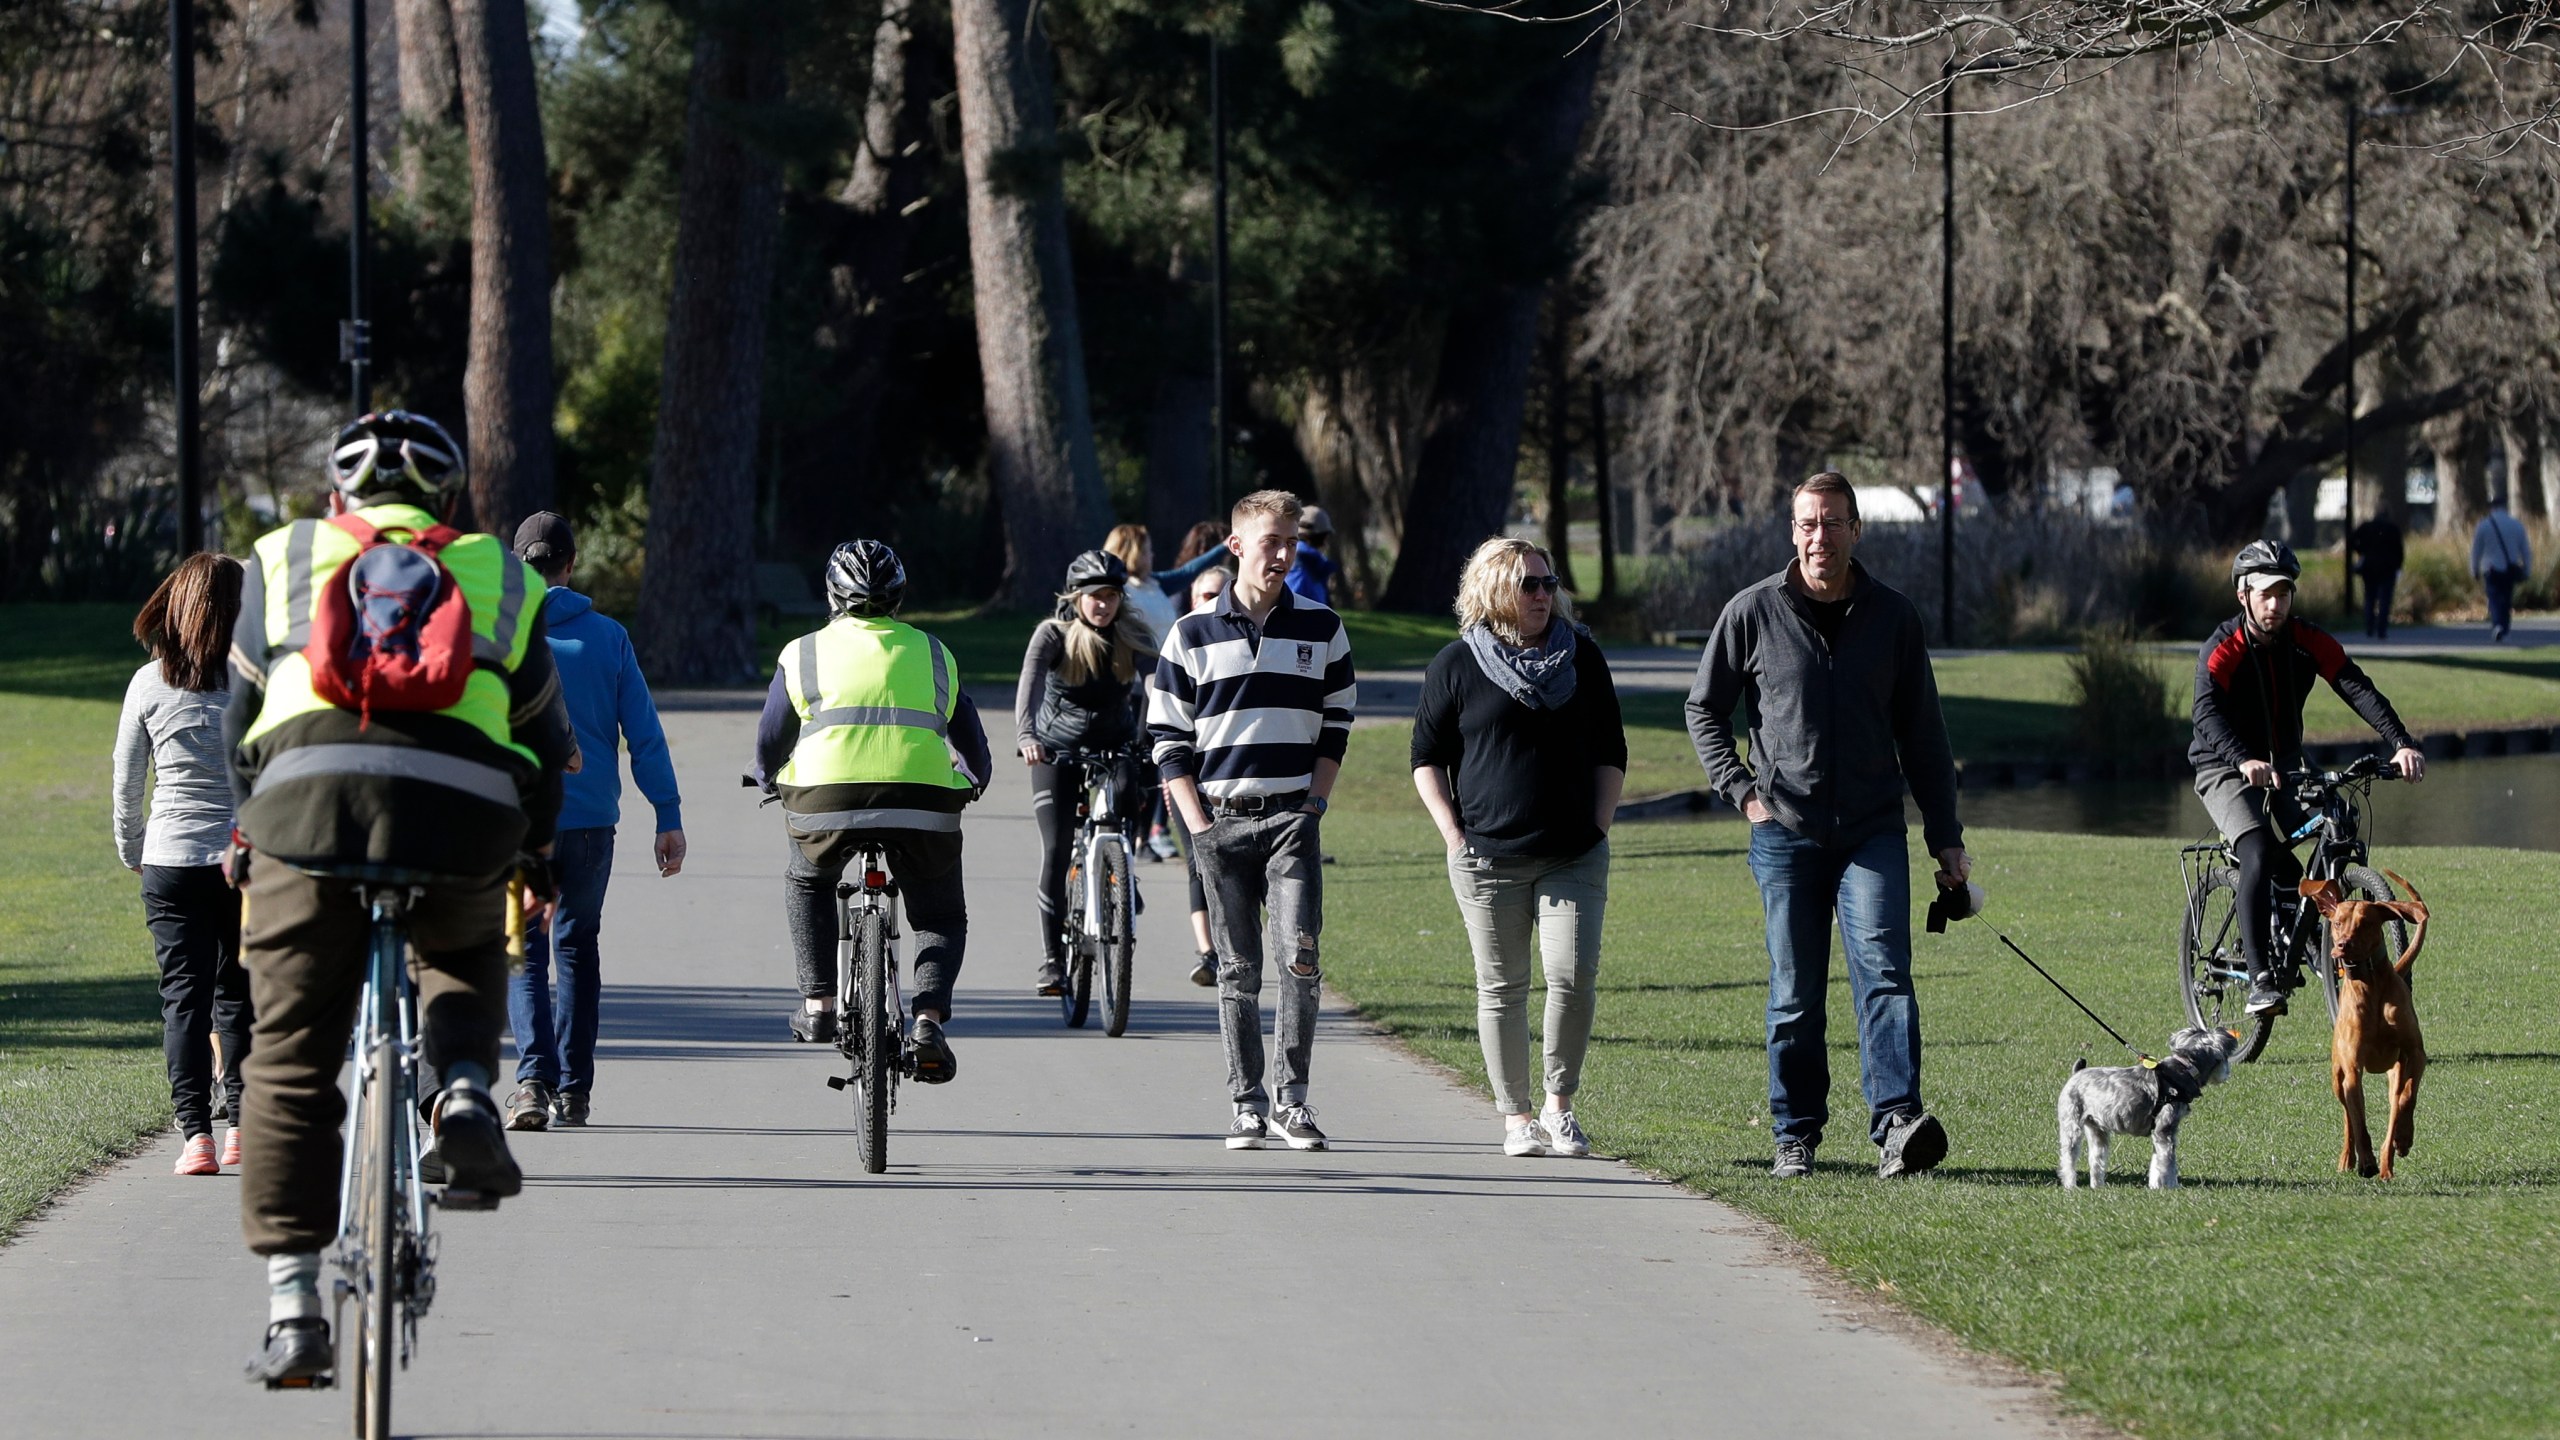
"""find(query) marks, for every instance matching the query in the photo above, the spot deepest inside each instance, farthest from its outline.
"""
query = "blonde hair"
(1118, 649)
(1489, 590)
(1277, 503)
(1129, 543)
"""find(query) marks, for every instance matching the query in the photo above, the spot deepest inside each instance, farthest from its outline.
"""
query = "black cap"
(545, 541)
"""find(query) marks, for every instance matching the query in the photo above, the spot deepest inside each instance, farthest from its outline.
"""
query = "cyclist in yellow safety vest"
(454, 793)
(868, 739)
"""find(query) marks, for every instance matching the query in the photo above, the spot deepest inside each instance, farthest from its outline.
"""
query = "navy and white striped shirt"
(1249, 709)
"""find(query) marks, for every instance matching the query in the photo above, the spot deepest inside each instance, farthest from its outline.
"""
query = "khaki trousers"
(304, 945)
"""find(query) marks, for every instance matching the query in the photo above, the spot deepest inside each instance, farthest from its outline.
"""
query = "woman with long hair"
(1520, 756)
(171, 734)
(1080, 690)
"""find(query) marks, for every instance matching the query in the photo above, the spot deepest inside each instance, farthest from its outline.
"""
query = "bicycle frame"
(876, 890)
(387, 1010)
(1101, 827)
(2334, 826)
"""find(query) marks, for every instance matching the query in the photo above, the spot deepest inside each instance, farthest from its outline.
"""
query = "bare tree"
(506, 385)
(697, 587)
(1047, 478)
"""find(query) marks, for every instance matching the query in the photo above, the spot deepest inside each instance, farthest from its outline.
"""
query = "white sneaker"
(1247, 1131)
(1523, 1137)
(1564, 1134)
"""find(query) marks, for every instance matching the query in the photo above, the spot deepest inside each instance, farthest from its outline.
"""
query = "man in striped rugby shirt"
(1249, 710)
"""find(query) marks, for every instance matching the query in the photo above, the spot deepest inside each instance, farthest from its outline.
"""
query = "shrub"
(2119, 695)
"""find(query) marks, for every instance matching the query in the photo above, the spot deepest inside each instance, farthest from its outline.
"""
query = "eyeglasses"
(1532, 584)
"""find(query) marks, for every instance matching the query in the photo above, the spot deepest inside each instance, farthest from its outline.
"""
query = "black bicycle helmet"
(2265, 557)
(1096, 570)
(865, 577)
(393, 450)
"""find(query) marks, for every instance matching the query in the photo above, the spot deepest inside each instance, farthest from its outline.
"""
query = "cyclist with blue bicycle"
(2251, 681)
(870, 741)
(394, 710)
(1081, 689)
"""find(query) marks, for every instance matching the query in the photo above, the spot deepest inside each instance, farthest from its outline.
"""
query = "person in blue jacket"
(609, 708)
(1312, 572)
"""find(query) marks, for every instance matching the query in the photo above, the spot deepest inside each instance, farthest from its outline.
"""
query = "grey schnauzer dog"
(2132, 1100)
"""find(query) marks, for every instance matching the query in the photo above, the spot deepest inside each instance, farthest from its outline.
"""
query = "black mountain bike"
(1099, 923)
(873, 1029)
(2213, 971)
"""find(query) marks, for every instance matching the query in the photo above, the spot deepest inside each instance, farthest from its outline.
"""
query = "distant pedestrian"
(1157, 599)
(1250, 712)
(1520, 756)
(2377, 552)
(1311, 571)
(1206, 538)
(609, 708)
(171, 733)
(1833, 666)
(2501, 556)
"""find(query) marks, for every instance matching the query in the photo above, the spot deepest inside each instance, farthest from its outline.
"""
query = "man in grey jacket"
(1835, 670)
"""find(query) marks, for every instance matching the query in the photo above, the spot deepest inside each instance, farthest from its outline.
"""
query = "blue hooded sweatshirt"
(609, 705)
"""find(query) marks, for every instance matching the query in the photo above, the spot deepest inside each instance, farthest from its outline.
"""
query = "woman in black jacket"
(1520, 756)
(1080, 690)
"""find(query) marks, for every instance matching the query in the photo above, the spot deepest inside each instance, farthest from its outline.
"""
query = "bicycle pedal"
(837, 1082)
(452, 1199)
(305, 1382)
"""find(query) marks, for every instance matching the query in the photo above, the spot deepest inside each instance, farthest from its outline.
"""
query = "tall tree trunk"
(1462, 489)
(1047, 479)
(2461, 443)
(430, 81)
(1559, 400)
(1177, 460)
(697, 586)
(822, 504)
(506, 383)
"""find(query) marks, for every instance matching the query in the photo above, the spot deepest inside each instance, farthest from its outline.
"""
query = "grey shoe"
(2266, 998)
(1912, 1144)
(1297, 1125)
(1795, 1160)
(530, 1107)
(1524, 1137)
(1247, 1132)
(569, 1109)
(1564, 1134)
(297, 1355)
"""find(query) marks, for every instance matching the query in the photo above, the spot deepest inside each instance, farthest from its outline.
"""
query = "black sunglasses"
(1532, 584)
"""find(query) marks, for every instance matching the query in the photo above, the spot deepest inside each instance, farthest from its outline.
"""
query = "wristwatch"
(1315, 803)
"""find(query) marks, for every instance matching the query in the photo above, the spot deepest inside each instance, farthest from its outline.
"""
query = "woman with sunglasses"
(1520, 756)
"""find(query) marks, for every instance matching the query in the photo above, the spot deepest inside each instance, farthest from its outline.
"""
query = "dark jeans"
(556, 1042)
(1802, 886)
(204, 992)
(2377, 602)
(1056, 791)
(2500, 586)
(926, 867)
(305, 944)
(1253, 867)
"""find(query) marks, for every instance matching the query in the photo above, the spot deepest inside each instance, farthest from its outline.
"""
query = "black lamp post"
(1947, 368)
(182, 255)
(355, 338)
(1217, 278)
(2347, 547)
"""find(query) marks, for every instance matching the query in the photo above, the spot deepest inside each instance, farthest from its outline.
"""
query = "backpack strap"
(430, 540)
(356, 525)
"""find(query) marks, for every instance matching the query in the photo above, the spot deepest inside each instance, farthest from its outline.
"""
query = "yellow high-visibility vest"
(875, 698)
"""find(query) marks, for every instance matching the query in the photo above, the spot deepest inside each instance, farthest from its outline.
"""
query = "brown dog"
(2377, 1026)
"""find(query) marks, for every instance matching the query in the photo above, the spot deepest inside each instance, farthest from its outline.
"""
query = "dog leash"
(2148, 1063)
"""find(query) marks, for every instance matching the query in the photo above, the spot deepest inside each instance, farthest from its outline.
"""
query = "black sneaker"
(569, 1109)
(530, 1107)
(1248, 1131)
(1205, 973)
(297, 1355)
(2266, 998)
(472, 1143)
(1795, 1159)
(935, 1064)
(1297, 1125)
(813, 1027)
(1912, 1144)
(1052, 979)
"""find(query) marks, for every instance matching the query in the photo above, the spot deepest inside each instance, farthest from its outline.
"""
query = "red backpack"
(394, 632)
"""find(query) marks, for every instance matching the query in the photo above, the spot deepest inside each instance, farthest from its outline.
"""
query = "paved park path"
(1061, 1245)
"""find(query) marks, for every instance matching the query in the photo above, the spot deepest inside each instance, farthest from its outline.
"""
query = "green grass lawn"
(81, 1077)
(2271, 1296)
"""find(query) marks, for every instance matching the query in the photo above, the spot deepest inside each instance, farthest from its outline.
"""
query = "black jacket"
(2249, 694)
(1840, 730)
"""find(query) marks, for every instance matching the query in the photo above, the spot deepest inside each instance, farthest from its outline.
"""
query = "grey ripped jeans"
(1252, 866)
(1516, 906)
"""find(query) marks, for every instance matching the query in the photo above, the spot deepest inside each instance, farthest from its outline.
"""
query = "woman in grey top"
(172, 732)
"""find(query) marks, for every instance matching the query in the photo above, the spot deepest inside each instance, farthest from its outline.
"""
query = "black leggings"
(204, 992)
(2265, 863)
(1056, 791)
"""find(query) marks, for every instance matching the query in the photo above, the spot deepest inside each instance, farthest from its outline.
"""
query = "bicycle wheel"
(2360, 882)
(1119, 939)
(378, 1226)
(2213, 970)
(877, 1049)
(1075, 991)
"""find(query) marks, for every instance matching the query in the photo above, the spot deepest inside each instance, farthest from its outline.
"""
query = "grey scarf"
(1540, 678)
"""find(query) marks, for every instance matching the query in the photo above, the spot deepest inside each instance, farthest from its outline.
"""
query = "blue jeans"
(556, 1043)
(1802, 885)
(2500, 586)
